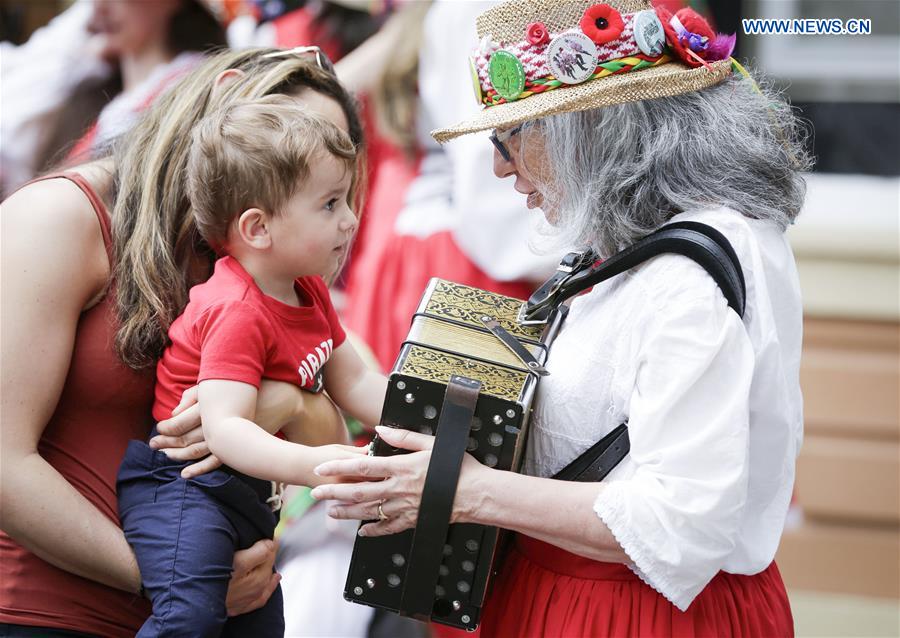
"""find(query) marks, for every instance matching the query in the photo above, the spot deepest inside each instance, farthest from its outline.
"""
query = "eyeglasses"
(322, 60)
(499, 141)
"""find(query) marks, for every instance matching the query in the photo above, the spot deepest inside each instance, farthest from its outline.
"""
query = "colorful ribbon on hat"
(604, 69)
(604, 43)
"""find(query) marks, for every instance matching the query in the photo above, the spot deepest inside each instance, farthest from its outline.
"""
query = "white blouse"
(713, 406)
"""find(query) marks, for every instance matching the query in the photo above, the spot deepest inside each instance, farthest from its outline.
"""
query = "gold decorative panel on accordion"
(442, 575)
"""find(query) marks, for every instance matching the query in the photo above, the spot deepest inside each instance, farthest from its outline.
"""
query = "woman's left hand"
(394, 482)
(181, 437)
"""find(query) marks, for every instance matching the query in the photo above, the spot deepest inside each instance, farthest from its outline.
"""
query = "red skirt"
(543, 590)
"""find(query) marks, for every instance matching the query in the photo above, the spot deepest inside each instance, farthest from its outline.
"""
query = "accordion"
(463, 342)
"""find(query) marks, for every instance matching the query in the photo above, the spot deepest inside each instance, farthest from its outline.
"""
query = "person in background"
(84, 79)
(153, 44)
(97, 262)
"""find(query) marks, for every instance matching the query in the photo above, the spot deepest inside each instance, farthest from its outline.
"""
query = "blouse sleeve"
(677, 517)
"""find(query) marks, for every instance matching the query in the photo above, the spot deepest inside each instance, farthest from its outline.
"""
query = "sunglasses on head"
(499, 140)
(322, 60)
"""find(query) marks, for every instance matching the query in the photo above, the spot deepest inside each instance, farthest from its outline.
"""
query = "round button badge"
(648, 33)
(507, 75)
(572, 57)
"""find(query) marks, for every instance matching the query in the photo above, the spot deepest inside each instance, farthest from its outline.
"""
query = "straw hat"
(542, 57)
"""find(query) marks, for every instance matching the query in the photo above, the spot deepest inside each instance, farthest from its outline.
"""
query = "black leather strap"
(599, 459)
(426, 552)
(702, 243)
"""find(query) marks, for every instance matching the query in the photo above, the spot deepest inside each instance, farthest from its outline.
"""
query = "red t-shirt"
(231, 330)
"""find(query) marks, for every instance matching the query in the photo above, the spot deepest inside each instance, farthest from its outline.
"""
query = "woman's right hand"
(252, 581)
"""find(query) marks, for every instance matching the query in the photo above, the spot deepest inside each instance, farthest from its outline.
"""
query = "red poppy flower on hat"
(536, 33)
(696, 34)
(601, 23)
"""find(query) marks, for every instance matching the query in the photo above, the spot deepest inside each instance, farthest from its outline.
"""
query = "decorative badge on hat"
(507, 75)
(572, 58)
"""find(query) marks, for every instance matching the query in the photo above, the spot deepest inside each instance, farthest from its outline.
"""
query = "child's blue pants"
(184, 533)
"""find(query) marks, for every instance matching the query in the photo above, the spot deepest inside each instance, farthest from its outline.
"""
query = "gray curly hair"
(728, 145)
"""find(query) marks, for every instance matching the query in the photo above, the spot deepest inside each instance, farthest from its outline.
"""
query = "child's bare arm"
(226, 409)
(355, 387)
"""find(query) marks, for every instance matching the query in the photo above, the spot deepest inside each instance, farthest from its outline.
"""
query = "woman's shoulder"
(56, 222)
(64, 201)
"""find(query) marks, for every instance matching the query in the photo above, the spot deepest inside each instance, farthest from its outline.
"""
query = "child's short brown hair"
(256, 154)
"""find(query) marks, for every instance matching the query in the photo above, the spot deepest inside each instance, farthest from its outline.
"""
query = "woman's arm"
(226, 409)
(555, 511)
(53, 265)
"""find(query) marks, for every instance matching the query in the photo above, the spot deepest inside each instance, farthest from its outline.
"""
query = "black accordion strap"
(706, 246)
(699, 242)
(427, 550)
(599, 459)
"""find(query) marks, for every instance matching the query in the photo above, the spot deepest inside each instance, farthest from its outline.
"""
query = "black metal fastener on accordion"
(466, 373)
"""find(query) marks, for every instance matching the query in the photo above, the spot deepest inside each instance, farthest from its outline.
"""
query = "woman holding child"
(97, 264)
(680, 538)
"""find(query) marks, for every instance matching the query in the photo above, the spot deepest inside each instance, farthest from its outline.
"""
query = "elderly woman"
(680, 538)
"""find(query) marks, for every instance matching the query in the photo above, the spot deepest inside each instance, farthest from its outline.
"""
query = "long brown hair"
(158, 251)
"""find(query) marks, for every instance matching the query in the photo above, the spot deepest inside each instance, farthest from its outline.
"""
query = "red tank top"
(103, 405)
